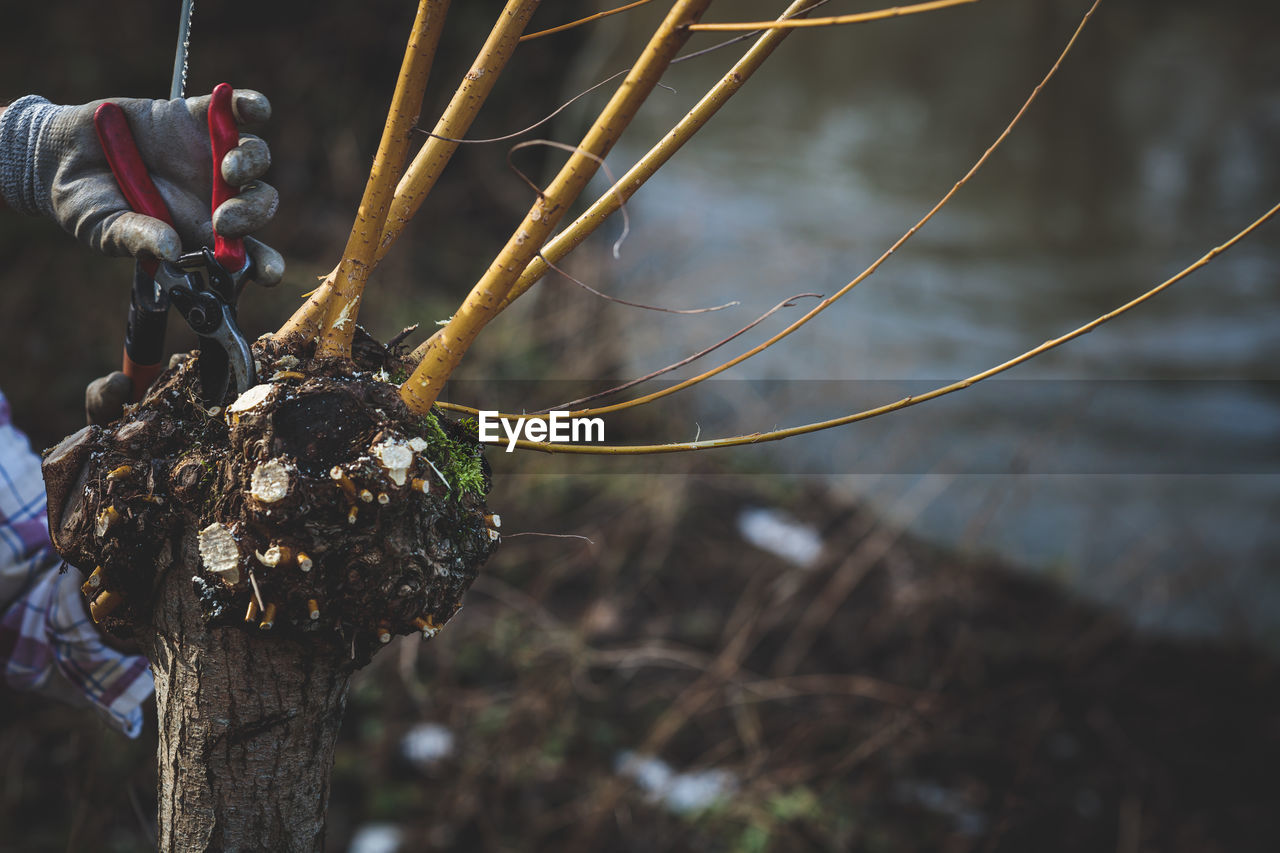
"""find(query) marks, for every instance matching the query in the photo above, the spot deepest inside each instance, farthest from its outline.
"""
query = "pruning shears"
(204, 286)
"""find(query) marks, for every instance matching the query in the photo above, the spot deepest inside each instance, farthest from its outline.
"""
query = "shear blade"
(215, 372)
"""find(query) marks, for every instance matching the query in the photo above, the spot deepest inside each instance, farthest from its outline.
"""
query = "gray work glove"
(105, 397)
(51, 164)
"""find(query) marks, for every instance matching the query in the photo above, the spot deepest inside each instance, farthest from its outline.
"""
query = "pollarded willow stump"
(263, 551)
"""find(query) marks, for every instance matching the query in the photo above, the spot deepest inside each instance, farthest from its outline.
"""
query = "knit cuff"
(20, 180)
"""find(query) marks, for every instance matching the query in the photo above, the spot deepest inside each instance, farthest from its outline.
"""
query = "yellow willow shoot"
(581, 21)
(447, 347)
(835, 20)
(421, 175)
(406, 103)
(865, 274)
(777, 435)
(455, 121)
(609, 203)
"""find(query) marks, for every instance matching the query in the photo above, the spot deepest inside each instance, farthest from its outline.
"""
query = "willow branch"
(446, 348)
(777, 435)
(581, 21)
(609, 203)
(834, 20)
(457, 118)
(339, 312)
(644, 307)
(689, 359)
(431, 159)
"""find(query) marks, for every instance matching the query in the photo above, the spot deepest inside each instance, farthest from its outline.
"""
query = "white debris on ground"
(944, 801)
(426, 743)
(682, 793)
(377, 838)
(778, 533)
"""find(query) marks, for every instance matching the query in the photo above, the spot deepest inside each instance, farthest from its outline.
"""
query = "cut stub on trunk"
(321, 506)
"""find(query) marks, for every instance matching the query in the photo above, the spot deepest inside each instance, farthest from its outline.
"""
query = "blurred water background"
(1140, 463)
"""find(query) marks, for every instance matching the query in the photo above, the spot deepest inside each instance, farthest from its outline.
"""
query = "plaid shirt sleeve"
(48, 643)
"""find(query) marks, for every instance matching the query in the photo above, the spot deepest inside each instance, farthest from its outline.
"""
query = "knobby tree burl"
(262, 552)
(264, 546)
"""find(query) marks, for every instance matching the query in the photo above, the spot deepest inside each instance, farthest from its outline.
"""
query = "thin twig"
(537, 124)
(573, 24)
(862, 686)
(616, 299)
(586, 539)
(598, 160)
(853, 569)
(786, 303)
(400, 336)
(835, 20)
(257, 593)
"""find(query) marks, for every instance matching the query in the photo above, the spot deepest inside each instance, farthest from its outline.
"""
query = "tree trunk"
(248, 723)
(321, 502)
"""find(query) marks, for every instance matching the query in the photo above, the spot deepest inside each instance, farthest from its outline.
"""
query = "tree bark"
(320, 500)
(248, 723)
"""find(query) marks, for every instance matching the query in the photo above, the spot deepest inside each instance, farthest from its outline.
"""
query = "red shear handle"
(126, 164)
(141, 375)
(224, 136)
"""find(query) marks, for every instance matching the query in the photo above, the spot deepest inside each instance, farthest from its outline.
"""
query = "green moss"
(754, 839)
(461, 462)
(207, 474)
(795, 804)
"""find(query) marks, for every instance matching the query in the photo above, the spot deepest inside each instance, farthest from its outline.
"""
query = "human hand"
(105, 397)
(52, 164)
